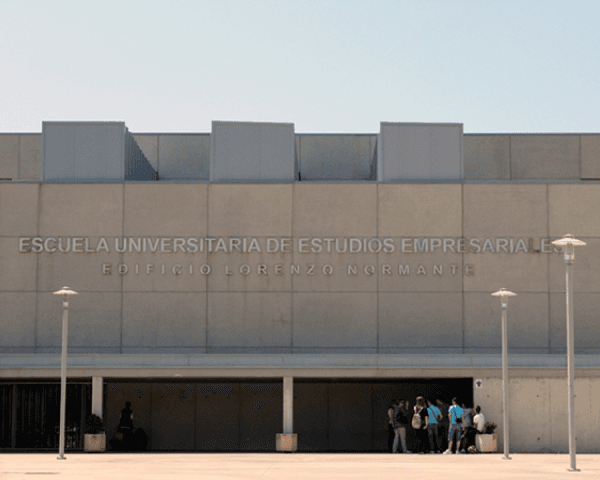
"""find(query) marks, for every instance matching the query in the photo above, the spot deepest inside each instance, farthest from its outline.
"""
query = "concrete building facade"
(256, 281)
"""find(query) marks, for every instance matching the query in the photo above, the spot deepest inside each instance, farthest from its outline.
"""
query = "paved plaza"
(211, 466)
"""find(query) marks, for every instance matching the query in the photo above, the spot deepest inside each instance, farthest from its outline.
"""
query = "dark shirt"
(126, 420)
(423, 414)
(444, 408)
(404, 416)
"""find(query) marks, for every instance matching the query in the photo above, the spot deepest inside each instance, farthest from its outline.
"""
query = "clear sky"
(327, 66)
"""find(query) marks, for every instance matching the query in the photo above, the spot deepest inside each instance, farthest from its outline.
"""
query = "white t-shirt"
(479, 421)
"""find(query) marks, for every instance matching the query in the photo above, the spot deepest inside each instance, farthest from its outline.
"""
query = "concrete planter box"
(286, 442)
(487, 443)
(94, 443)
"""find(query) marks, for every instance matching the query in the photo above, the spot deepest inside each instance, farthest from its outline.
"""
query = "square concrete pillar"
(97, 394)
(287, 441)
(288, 405)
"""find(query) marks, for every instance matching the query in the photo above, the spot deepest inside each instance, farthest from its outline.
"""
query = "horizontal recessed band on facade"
(325, 361)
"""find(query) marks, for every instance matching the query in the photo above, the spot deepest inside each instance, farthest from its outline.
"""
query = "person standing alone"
(125, 427)
(126, 420)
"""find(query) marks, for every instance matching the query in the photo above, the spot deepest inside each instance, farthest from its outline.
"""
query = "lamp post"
(64, 292)
(503, 293)
(569, 242)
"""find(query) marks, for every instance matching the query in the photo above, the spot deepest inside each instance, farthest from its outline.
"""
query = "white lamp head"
(65, 293)
(569, 242)
(503, 293)
(569, 239)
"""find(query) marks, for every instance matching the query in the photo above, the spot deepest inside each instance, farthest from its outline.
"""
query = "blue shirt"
(433, 413)
(456, 412)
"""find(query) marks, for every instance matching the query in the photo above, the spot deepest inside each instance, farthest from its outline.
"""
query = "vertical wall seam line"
(206, 319)
(462, 221)
(292, 276)
(37, 273)
(548, 258)
(377, 263)
(122, 258)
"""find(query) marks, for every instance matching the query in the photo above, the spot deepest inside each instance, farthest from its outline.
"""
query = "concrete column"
(288, 404)
(97, 395)
(288, 440)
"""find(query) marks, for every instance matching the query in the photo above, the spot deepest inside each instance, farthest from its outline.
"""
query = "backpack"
(416, 420)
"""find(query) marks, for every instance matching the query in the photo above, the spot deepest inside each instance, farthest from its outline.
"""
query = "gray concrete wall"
(361, 313)
(92, 152)
(177, 157)
(20, 156)
(532, 157)
(590, 156)
(83, 151)
(337, 157)
(137, 167)
(539, 413)
(420, 152)
(184, 156)
(487, 157)
(252, 151)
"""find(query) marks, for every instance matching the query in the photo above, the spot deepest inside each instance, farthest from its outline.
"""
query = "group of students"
(438, 427)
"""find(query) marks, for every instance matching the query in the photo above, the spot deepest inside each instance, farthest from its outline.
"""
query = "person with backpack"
(455, 414)
(434, 416)
(400, 424)
(419, 423)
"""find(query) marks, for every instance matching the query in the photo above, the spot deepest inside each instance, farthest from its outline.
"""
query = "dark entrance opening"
(199, 415)
(343, 415)
(30, 417)
(350, 415)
